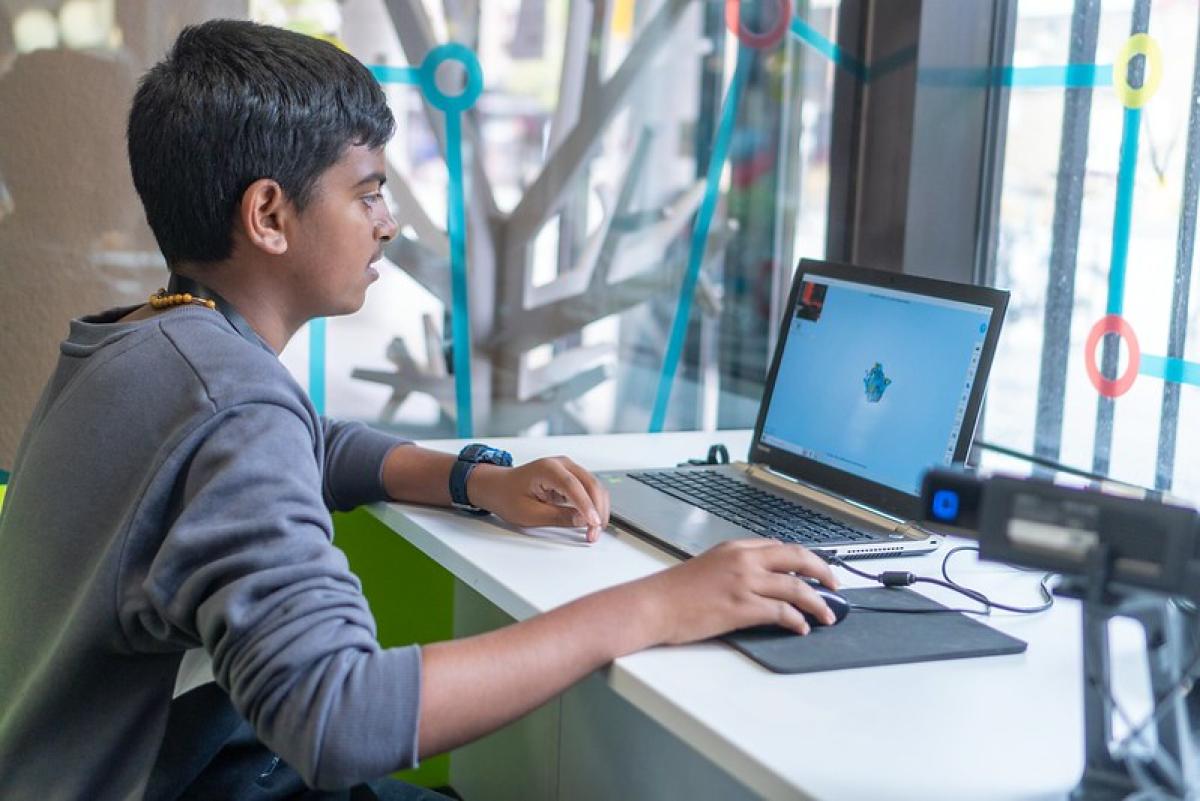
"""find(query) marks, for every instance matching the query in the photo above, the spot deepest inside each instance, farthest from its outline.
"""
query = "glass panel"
(587, 161)
(1094, 196)
(585, 169)
(73, 239)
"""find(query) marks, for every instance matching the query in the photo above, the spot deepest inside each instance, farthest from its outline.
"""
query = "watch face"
(477, 452)
(497, 456)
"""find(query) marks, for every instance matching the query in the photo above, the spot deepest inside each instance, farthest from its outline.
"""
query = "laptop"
(876, 377)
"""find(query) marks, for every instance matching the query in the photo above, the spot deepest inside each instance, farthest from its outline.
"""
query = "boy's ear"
(263, 207)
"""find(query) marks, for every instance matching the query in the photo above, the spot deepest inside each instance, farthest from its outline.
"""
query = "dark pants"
(382, 790)
(209, 751)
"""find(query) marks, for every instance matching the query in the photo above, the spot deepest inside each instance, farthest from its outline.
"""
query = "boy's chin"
(343, 307)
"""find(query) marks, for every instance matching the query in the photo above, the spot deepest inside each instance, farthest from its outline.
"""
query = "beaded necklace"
(182, 291)
(161, 300)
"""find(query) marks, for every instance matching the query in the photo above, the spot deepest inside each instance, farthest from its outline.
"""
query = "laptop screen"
(875, 381)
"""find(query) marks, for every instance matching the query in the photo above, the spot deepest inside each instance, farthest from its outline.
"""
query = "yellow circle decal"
(1141, 44)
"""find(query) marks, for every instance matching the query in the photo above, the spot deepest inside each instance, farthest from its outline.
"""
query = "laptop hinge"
(820, 497)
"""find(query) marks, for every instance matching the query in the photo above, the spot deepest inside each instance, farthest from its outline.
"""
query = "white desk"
(705, 721)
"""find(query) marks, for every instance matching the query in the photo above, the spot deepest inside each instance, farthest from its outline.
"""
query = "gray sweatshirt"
(173, 493)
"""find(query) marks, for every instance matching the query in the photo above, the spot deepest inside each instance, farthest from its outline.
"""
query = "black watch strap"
(468, 458)
(459, 474)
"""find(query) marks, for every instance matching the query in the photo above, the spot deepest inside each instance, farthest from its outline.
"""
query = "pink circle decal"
(1108, 387)
(759, 41)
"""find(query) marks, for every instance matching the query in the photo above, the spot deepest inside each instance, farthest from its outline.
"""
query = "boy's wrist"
(481, 485)
(638, 612)
(465, 467)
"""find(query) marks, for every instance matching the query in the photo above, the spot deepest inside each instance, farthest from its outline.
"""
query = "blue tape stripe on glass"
(1170, 369)
(1072, 76)
(1123, 214)
(958, 77)
(451, 51)
(817, 41)
(316, 363)
(452, 107)
(425, 77)
(889, 64)
(385, 74)
(699, 239)
(4, 476)
(1065, 76)
(460, 321)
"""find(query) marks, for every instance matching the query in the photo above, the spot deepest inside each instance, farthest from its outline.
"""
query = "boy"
(168, 520)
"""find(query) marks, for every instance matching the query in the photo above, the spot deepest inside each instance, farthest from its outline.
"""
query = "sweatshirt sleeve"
(249, 570)
(353, 470)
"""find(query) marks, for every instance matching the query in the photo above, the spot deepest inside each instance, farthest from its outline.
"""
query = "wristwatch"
(474, 454)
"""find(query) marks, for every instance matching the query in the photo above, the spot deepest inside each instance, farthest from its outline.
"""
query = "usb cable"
(905, 578)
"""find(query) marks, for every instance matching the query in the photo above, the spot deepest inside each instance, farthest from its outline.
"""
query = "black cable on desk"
(1043, 587)
(904, 578)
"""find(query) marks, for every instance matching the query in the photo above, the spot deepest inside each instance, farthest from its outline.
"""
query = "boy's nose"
(386, 227)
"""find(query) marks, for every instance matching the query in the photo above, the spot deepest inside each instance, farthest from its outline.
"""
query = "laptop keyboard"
(754, 510)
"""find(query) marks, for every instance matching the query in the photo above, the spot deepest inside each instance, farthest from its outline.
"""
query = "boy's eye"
(373, 198)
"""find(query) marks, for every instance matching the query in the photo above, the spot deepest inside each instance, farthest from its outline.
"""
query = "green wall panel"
(411, 597)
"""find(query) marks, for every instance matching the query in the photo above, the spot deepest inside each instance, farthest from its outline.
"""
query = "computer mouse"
(836, 603)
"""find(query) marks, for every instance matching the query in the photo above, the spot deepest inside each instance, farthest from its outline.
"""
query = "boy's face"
(340, 234)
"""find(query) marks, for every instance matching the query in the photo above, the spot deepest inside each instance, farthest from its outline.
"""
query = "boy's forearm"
(413, 474)
(473, 686)
(418, 475)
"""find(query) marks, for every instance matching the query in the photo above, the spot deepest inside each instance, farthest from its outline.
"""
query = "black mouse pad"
(867, 639)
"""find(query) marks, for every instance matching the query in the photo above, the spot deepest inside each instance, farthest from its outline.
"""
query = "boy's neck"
(262, 308)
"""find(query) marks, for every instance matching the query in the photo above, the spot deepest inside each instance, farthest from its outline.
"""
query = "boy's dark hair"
(234, 102)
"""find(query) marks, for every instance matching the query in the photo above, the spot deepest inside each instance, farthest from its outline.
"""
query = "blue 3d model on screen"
(875, 383)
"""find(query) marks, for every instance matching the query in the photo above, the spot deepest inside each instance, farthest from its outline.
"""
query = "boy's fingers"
(797, 559)
(796, 592)
(565, 482)
(789, 617)
(536, 513)
(546, 514)
(595, 490)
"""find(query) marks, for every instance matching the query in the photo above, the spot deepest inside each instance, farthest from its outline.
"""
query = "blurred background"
(1029, 144)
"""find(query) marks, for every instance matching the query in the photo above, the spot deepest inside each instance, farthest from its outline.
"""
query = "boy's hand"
(547, 492)
(734, 585)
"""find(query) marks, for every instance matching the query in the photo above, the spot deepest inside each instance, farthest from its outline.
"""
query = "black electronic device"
(839, 469)
(835, 601)
(950, 500)
(1036, 523)
(1120, 556)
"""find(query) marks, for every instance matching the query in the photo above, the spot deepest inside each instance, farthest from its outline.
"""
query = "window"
(588, 200)
(1096, 240)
